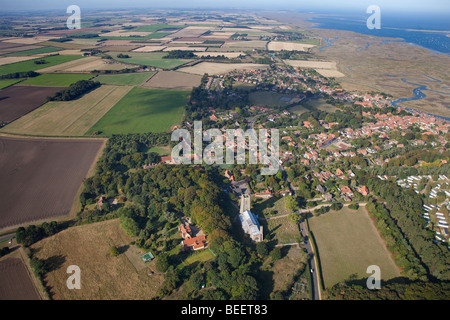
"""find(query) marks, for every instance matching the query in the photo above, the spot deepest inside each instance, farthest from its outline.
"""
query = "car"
(312, 270)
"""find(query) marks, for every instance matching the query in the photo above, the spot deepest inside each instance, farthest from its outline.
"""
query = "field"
(103, 277)
(270, 99)
(325, 68)
(8, 60)
(219, 68)
(154, 27)
(282, 230)
(36, 51)
(244, 45)
(215, 54)
(318, 104)
(31, 66)
(8, 82)
(278, 46)
(56, 80)
(129, 79)
(15, 282)
(173, 80)
(153, 59)
(29, 164)
(16, 101)
(87, 64)
(348, 243)
(149, 49)
(69, 118)
(143, 110)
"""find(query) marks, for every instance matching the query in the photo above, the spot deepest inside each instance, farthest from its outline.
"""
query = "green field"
(29, 65)
(153, 59)
(132, 79)
(143, 110)
(34, 51)
(155, 27)
(348, 243)
(8, 82)
(56, 79)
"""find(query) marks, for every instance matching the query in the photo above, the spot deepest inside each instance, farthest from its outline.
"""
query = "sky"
(424, 6)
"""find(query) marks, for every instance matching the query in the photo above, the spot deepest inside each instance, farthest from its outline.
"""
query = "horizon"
(439, 7)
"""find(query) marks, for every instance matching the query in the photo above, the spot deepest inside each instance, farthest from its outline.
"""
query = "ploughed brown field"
(17, 101)
(15, 283)
(40, 178)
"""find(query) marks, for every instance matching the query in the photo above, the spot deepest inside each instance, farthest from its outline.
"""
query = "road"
(311, 263)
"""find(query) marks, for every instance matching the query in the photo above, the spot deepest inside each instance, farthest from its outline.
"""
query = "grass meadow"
(348, 243)
(154, 59)
(29, 65)
(143, 110)
(130, 79)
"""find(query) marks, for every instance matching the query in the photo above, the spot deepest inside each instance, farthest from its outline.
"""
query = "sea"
(426, 30)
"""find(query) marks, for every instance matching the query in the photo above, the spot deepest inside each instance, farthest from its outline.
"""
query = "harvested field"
(190, 32)
(312, 64)
(278, 46)
(5, 49)
(244, 45)
(16, 101)
(8, 60)
(69, 118)
(33, 40)
(103, 277)
(185, 48)
(325, 68)
(330, 73)
(348, 243)
(149, 49)
(15, 282)
(215, 54)
(124, 33)
(29, 164)
(173, 80)
(219, 68)
(87, 64)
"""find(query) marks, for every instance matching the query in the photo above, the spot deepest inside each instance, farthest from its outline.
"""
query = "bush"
(113, 251)
(354, 206)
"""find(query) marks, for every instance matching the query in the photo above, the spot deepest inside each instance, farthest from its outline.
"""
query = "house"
(265, 195)
(327, 196)
(363, 190)
(167, 160)
(347, 191)
(339, 172)
(195, 243)
(320, 188)
(189, 241)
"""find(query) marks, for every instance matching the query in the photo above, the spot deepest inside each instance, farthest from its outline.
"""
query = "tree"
(113, 251)
(261, 249)
(291, 203)
(162, 262)
(276, 254)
